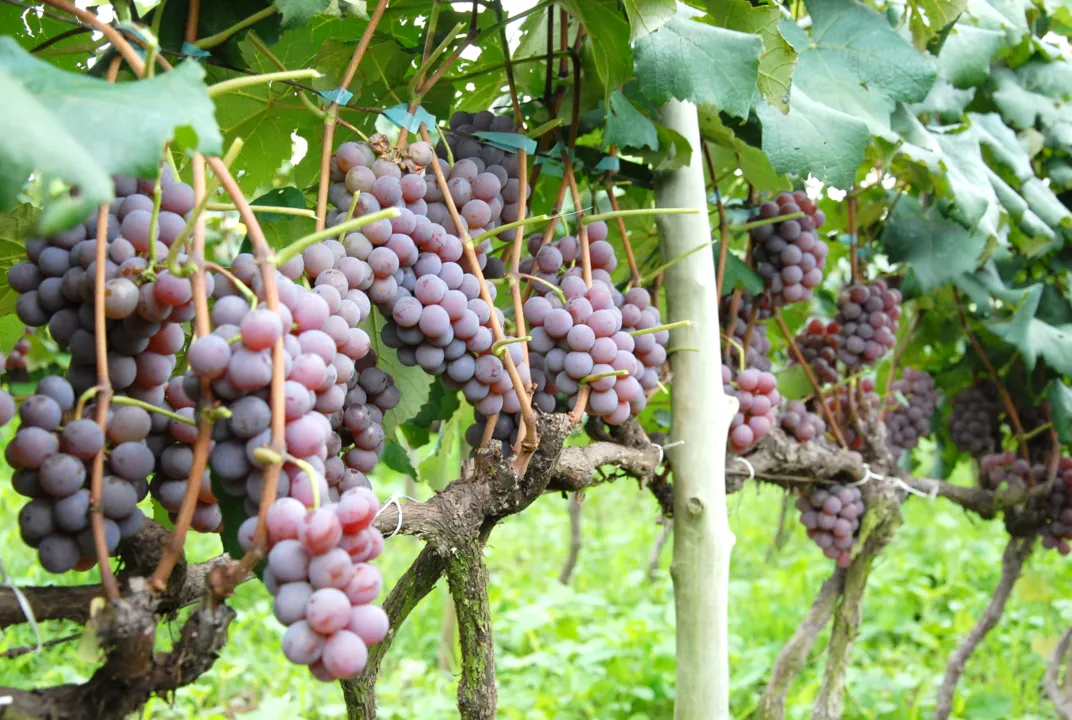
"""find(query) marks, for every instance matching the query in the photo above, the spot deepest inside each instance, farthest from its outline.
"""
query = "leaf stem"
(124, 400)
(223, 35)
(509, 226)
(245, 81)
(660, 328)
(744, 227)
(674, 261)
(299, 246)
(277, 209)
(632, 212)
(599, 376)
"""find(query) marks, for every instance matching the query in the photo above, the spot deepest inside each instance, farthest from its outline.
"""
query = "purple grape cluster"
(867, 316)
(1057, 534)
(818, 343)
(832, 517)
(319, 574)
(595, 332)
(800, 422)
(16, 359)
(52, 455)
(1007, 468)
(757, 393)
(757, 354)
(854, 408)
(908, 421)
(973, 423)
(419, 277)
(789, 254)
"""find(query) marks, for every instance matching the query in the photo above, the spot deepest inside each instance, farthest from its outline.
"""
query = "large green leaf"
(965, 57)
(627, 126)
(689, 60)
(608, 31)
(83, 130)
(937, 249)
(442, 466)
(1033, 337)
(778, 59)
(1024, 109)
(647, 16)
(945, 101)
(299, 12)
(281, 230)
(855, 62)
(1060, 396)
(813, 138)
(32, 30)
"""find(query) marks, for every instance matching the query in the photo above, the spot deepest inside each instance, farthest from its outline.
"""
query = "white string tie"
(751, 470)
(667, 446)
(24, 604)
(394, 500)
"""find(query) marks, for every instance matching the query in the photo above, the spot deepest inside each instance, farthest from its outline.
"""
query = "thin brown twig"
(634, 271)
(263, 254)
(1006, 399)
(531, 441)
(489, 429)
(834, 427)
(193, 11)
(202, 326)
(332, 112)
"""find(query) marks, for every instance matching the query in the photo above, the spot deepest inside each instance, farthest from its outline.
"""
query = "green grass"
(604, 647)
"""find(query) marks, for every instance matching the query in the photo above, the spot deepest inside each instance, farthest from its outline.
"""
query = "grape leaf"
(32, 29)
(281, 230)
(627, 126)
(441, 405)
(937, 249)
(83, 130)
(608, 31)
(413, 382)
(965, 57)
(396, 458)
(442, 466)
(667, 63)
(647, 16)
(1033, 337)
(778, 60)
(856, 63)
(1060, 396)
(930, 17)
(737, 274)
(945, 101)
(813, 138)
(299, 12)
(213, 18)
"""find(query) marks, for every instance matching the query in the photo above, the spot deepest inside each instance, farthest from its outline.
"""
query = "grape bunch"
(832, 517)
(52, 455)
(419, 277)
(818, 343)
(757, 393)
(867, 317)
(1007, 468)
(16, 359)
(319, 574)
(1057, 534)
(972, 420)
(789, 254)
(907, 422)
(757, 354)
(800, 422)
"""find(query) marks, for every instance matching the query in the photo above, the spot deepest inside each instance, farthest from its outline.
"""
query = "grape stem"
(311, 473)
(124, 400)
(674, 261)
(303, 96)
(531, 436)
(599, 376)
(489, 429)
(245, 81)
(125, 49)
(298, 246)
(499, 347)
(263, 254)
(277, 209)
(239, 285)
(223, 35)
(191, 222)
(154, 219)
(633, 212)
(333, 113)
(834, 427)
(660, 328)
(743, 227)
(634, 271)
(509, 226)
(557, 290)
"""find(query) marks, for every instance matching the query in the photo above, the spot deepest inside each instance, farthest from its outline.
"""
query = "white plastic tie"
(24, 605)
(867, 477)
(751, 470)
(394, 500)
(898, 482)
(667, 446)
